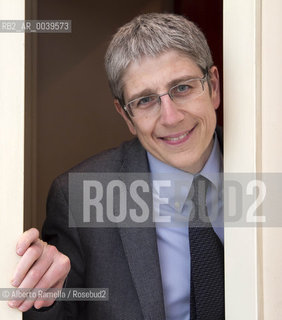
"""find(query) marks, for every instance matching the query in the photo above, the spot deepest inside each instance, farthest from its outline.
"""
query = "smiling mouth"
(177, 138)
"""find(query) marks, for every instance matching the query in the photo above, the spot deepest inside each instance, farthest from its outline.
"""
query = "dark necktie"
(207, 260)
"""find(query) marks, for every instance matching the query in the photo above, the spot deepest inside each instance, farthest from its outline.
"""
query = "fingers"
(58, 270)
(39, 268)
(43, 267)
(33, 265)
(26, 239)
(47, 303)
(56, 274)
(32, 254)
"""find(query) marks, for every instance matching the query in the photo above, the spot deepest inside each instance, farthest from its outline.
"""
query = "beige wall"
(74, 113)
(272, 151)
(11, 147)
(253, 135)
(241, 27)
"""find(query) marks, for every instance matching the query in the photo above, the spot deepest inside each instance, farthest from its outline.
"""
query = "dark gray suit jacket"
(125, 260)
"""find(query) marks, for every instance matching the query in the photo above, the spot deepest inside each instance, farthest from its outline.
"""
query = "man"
(166, 88)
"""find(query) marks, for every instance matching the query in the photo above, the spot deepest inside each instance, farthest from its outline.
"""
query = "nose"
(170, 114)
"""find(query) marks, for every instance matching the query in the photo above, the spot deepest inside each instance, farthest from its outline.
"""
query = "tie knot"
(199, 214)
(199, 190)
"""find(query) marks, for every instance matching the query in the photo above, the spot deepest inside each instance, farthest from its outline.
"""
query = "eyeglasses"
(182, 93)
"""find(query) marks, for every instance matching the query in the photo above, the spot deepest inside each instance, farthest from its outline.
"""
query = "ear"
(128, 121)
(215, 89)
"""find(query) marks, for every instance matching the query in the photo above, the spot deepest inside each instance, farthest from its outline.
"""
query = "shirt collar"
(213, 167)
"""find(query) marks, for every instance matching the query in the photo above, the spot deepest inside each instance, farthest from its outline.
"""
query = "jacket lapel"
(140, 246)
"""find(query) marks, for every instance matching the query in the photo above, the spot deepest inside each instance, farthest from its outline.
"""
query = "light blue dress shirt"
(172, 238)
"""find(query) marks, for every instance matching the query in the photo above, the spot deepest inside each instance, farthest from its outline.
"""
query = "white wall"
(11, 146)
(272, 150)
(241, 109)
(253, 135)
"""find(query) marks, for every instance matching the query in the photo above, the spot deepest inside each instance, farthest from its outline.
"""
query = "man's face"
(180, 136)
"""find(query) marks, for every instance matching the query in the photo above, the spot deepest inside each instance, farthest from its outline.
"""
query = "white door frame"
(12, 55)
(252, 144)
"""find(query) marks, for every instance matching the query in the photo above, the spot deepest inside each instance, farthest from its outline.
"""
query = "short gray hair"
(150, 35)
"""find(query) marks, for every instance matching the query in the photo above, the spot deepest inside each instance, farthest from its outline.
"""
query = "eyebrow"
(170, 84)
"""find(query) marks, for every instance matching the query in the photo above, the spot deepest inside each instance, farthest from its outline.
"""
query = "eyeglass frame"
(202, 80)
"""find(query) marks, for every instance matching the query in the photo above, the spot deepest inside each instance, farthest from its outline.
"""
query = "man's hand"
(41, 266)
